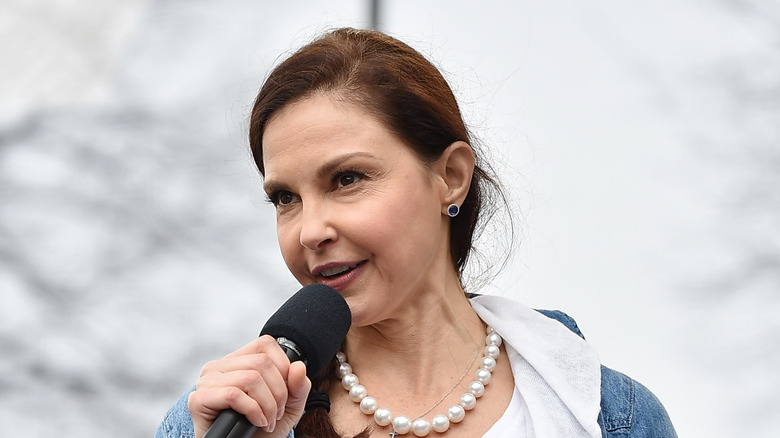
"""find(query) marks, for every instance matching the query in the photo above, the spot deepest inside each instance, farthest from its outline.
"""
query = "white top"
(512, 423)
(557, 373)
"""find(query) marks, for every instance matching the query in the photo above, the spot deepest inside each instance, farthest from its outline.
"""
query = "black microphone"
(310, 327)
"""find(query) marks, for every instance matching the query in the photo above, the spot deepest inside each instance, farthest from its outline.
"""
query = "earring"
(453, 210)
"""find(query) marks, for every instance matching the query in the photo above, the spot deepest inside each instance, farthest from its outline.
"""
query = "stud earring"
(453, 210)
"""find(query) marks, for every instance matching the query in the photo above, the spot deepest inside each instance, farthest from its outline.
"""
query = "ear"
(455, 167)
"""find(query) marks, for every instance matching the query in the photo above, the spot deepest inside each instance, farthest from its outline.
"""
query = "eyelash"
(338, 174)
(273, 198)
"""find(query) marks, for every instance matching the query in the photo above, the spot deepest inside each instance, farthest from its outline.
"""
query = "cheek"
(407, 218)
(290, 247)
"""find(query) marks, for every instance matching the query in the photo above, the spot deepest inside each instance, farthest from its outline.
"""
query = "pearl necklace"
(440, 422)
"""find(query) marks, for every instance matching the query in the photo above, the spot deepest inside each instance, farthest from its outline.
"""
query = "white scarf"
(556, 371)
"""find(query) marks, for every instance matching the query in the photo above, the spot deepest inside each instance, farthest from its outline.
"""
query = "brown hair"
(402, 89)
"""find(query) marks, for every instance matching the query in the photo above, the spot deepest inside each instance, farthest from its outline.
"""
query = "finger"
(243, 372)
(257, 375)
(246, 357)
(263, 344)
(205, 406)
(262, 381)
(252, 381)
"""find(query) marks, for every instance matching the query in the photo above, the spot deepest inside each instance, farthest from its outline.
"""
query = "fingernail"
(280, 414)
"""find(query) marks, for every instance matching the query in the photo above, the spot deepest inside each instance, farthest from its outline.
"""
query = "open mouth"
(337, 270)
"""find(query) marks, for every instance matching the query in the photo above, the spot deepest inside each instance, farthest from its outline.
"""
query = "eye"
(345, 178)
(284, 198)
(281, 197)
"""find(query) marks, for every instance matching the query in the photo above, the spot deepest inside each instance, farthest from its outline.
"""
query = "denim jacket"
(628, 409)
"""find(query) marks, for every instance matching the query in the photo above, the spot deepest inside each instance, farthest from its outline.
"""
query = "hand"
(258, 381)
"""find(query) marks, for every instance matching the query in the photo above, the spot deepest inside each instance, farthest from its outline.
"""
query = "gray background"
(639, 141)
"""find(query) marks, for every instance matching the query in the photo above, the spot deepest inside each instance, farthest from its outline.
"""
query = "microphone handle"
(231, 424)
(242, 429)
(224, 423)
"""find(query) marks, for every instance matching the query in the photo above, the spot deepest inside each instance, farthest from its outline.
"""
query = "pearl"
(440, 423)
(493, 339)
(489, 363)
(468, 401)
(476, 387)
(344, 368)
(456, 413)
(348, 380)
(402, 424)
(492, 351)
(484, 376)
(383, 416)
(357, 392)
(368, 405)
(421, 427)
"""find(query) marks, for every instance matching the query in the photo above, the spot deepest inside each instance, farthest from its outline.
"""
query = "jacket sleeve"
(629, 409)
(177, 422)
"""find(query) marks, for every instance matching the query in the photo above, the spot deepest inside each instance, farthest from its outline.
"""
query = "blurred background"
(639, 141)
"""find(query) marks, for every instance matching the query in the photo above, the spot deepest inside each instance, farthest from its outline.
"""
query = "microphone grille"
(316, 319)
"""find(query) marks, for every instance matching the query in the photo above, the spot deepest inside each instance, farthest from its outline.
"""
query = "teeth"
(336, 270)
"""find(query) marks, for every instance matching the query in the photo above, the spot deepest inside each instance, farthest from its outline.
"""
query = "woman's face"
(356, 209)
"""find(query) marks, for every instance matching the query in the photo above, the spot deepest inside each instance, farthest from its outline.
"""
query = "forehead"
(311, 119)
(321, 127)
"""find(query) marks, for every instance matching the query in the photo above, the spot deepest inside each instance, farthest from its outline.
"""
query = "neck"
(421, 350)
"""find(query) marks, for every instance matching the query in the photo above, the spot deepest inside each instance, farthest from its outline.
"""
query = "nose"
(316, 227)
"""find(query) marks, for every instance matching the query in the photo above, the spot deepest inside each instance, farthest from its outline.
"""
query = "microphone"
(310, 327)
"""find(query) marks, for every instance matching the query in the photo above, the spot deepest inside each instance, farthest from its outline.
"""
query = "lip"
(340, 281)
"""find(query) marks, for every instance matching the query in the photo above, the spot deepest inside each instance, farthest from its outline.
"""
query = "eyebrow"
(330, 166)
(322, 172)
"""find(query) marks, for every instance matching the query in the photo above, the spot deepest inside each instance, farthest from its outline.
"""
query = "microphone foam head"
(316, 319)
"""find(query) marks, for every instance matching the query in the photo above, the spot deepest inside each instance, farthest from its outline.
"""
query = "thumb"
(298, 387)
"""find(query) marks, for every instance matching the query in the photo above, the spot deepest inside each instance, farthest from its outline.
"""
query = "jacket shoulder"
(177, 422)
(628, 408)
(564, 319)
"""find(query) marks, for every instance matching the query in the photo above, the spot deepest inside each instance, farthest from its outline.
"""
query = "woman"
(378, 192)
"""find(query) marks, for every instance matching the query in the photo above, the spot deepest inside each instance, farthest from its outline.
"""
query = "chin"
(360, 315)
